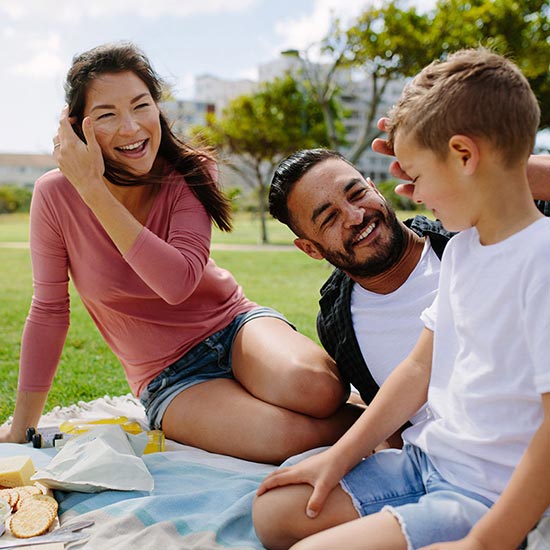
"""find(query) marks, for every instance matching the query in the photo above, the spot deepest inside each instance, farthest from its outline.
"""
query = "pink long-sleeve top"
(151, 306)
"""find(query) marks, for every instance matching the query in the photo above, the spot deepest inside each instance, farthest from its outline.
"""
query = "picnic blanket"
(201, 500)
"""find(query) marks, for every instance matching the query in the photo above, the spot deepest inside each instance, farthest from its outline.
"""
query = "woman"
(128, 216)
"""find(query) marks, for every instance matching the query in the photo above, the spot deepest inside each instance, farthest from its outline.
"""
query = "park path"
(214, 246)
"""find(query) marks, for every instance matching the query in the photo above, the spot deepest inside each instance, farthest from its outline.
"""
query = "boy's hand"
(320, 471)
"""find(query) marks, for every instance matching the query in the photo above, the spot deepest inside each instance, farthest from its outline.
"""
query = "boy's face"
(435, 182)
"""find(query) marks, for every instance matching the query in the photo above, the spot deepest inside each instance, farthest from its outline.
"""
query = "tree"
(392, 44)
(519, 29)
(261, 129)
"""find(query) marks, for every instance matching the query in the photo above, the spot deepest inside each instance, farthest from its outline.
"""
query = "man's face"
(343, 218)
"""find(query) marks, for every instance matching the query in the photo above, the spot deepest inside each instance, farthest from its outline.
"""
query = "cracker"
(25, 492)
(10, 495)
(34, 516)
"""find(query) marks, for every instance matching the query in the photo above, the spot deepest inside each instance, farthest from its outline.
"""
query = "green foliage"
(269, 124)
(391, 43)
(264, 127)
(14, 198)
(519, 29)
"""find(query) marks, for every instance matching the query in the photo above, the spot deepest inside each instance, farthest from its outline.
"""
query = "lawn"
(289, 281)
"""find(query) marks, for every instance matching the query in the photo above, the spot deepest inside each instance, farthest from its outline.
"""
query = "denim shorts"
(405, 483)
(208, 360)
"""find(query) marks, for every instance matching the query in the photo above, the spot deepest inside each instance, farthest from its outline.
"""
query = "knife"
(63, 534)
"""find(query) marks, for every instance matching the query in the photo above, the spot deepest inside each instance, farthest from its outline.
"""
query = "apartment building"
(23, 169)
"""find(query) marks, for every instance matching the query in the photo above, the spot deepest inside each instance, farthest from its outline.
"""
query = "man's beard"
(384, 254)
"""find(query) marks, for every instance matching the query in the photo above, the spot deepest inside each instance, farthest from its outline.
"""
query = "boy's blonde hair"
(474, 92)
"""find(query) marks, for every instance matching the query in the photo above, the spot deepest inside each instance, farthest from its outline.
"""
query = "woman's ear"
(306, 246)
(466, 152)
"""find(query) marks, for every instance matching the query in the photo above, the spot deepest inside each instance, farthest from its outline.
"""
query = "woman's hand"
(321, 471)
(81, 163)
(380, 145)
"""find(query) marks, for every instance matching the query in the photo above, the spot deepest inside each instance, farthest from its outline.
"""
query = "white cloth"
(491, 357)
(388, 325)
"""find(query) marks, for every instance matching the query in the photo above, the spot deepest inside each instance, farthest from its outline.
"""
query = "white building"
(184, 114)
(214, 93)
(355, 97)
(219, 91)
(23, 169)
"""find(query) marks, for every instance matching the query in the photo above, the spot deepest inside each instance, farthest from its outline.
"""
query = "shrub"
(14, 198)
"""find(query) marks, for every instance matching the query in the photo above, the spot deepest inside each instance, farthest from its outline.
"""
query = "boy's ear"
(305, 245)
(466, 151)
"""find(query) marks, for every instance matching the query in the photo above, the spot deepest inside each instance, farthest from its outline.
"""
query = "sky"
(182, 39)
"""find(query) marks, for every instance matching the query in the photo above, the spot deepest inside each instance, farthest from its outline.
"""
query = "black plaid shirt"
(334, 323)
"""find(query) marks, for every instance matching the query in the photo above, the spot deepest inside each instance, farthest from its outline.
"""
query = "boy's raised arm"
(401, 395)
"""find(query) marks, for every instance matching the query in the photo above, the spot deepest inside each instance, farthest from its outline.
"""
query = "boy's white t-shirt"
(491, 361)
(388, 325)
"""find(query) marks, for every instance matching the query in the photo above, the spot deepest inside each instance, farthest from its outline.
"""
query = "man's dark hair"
(290, 171)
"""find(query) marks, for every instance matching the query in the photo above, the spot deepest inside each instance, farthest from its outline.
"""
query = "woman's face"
(125, 120)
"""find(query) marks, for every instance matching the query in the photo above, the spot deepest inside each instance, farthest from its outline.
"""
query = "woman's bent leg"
(285, 368)
(221, 416)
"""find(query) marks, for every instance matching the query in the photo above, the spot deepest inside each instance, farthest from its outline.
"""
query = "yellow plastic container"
(156, 444)
(79, 426)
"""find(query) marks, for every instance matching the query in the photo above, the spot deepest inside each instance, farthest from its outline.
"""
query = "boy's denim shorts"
(208, 360)
(405, 483)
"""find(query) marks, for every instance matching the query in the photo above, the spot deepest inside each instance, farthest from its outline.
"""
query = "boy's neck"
(506, 207)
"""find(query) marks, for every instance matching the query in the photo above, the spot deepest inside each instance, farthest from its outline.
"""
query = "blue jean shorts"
(405, 483)
(208, 360)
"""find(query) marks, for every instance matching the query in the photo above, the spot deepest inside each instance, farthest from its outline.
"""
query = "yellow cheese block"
(16, 471)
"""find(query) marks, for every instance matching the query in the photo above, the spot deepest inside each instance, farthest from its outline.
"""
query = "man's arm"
(538, 174)
(401, 395)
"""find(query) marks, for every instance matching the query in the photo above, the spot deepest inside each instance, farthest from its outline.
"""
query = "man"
(386, 272)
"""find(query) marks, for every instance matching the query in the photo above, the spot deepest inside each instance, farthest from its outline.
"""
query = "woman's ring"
(56, 144)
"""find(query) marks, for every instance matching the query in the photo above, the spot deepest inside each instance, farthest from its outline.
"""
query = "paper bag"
(102, 458)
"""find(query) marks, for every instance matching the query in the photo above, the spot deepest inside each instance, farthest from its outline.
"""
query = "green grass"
(289, 281)
(14, 227)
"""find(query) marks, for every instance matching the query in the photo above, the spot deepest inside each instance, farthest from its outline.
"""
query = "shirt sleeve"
(429, 315)
(173, 266)
(48, 321)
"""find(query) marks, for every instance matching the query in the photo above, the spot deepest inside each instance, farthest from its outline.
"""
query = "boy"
(469, 124)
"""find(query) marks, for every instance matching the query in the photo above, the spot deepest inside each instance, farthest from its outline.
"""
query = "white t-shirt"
(491, 361)
(388, 325)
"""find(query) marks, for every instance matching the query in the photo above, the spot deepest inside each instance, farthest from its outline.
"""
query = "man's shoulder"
(335, 282)
(433, 229)
(424, 226)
